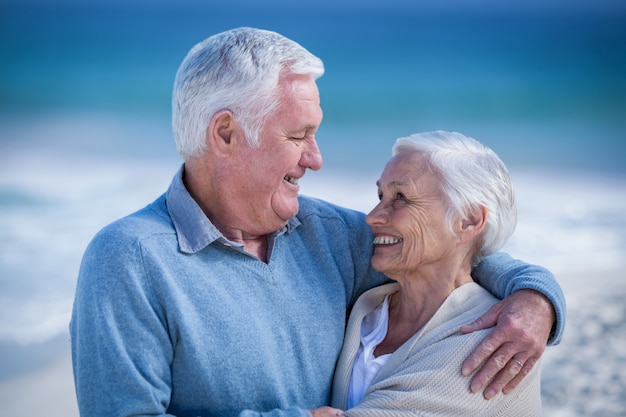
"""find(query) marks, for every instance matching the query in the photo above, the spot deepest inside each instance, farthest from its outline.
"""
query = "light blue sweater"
(170, 318)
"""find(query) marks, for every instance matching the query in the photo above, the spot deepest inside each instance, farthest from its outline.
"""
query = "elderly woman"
(446, 201)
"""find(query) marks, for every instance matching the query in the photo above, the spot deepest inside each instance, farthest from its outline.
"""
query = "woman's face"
(409, 221)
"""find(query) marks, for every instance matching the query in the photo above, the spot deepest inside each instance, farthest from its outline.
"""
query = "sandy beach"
(584, 376)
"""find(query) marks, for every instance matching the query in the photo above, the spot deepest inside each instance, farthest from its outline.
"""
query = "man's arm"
(120, 349)
(530, 315)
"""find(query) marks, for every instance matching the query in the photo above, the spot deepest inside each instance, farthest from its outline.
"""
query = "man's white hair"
(236, 70)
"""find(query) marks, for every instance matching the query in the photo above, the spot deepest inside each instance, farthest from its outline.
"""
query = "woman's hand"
(523, 323)
(326, 412)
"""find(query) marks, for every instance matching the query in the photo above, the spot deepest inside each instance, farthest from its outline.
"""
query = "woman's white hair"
(236, 70)
(471, 176)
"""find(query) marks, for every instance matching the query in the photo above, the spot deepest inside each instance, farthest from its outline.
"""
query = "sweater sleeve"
(502, 276)
(120, 346)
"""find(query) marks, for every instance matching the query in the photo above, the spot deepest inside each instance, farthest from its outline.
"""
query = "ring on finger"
(517, 361)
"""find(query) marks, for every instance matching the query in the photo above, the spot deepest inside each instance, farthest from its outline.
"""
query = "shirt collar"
(194, 230)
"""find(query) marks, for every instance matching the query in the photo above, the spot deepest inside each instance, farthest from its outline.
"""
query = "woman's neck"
(413, 306)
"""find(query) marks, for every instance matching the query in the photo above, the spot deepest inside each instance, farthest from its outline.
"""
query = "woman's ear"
(474, 223)
(222, 130)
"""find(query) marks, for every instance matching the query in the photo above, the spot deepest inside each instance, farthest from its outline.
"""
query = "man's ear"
(474, 223)
(222, 131)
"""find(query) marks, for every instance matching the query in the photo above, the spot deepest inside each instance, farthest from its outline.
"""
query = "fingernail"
(475, 386)
(490, 393)
(465, 370)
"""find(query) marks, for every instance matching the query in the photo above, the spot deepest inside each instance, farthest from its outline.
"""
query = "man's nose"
(312, 157)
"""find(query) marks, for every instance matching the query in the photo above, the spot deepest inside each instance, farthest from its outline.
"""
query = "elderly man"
(227, 296)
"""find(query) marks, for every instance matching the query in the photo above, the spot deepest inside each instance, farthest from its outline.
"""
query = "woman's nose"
(378, 215)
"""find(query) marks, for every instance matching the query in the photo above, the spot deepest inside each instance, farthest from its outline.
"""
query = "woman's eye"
(400, 196)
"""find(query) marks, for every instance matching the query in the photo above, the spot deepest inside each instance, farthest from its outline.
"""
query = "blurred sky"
(549, 74)
(561, 6)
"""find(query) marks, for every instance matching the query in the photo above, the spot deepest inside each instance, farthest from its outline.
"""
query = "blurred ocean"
(85, 137)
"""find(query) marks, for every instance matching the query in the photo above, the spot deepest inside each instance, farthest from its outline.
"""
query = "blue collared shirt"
(194, 230)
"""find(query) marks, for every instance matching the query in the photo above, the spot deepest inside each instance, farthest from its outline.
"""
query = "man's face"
(270, 173)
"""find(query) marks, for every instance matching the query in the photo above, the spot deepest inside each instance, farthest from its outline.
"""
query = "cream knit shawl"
(423, 377)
